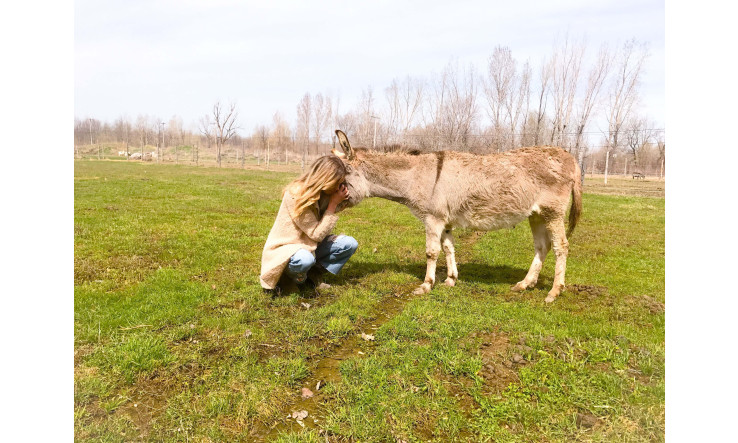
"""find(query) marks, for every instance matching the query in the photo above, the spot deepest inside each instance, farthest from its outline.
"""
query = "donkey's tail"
(576, 200)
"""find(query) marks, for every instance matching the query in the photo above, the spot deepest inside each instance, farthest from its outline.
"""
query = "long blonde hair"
(325, 174)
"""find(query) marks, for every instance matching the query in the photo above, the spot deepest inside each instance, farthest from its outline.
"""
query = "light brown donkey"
(450, 189)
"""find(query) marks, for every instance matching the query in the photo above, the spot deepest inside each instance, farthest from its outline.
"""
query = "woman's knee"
(301, 261)
(349, 244)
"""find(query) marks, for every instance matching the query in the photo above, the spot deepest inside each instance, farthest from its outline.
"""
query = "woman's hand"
(337, 197)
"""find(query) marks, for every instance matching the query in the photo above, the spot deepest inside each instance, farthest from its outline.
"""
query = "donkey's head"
(355, 179)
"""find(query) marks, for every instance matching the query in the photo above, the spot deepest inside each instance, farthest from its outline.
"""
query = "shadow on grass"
(468, 272)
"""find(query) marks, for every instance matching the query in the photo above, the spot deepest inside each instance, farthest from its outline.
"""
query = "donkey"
(448, 189)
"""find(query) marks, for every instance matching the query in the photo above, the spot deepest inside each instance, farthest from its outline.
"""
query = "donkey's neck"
(392, 179)
(388, 191)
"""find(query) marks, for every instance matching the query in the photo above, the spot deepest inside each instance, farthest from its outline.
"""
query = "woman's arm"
(314, 228)
(309, 223)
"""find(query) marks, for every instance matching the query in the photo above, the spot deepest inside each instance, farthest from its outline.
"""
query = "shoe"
(287, 286)
(315, 276)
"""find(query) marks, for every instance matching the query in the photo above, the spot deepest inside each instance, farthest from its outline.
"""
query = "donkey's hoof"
(519, 287)
(550, 298)
(422, 289)
(450, 281)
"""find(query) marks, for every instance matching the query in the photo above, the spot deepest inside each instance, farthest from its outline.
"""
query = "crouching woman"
(300, 247)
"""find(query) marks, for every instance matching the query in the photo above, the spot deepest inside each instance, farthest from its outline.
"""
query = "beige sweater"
(290, 233)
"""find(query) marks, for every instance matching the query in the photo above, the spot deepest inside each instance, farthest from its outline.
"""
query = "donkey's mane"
(393, 149)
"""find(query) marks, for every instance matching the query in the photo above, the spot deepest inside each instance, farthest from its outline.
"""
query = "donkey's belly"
(489, 222)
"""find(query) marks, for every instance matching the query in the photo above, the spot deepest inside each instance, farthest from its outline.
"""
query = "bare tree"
(225, 126)
(545, 79)
(159, 136)
(365, 114)
(280, 135)
(94, 129)
(143, 127)
(304, 116)
(520, 107)
(175, 129)
(394, 109)
(207, 129)
(79, 129)
(334, 121)
(322, 114)
(348, 123)
(597, 76)
(123, 130)
(452, 106)
(508, 97)
(261, 134)
(404, 100)
(567, 63)
(623, 91)
(661, 145)
(498, 88)
(638, 132)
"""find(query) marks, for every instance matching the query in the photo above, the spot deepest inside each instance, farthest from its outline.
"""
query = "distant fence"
(236, 157)
(194, 156)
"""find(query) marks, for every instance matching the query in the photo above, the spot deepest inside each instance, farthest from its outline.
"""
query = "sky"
(165, 58)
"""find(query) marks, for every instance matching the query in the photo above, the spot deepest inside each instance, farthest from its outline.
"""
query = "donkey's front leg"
(433, 230)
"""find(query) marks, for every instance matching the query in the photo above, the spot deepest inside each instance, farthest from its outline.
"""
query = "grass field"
(175, 340)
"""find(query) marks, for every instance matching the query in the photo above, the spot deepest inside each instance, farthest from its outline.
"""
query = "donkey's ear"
(345, 145)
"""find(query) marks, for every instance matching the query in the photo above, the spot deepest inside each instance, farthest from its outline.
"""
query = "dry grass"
(622, 185)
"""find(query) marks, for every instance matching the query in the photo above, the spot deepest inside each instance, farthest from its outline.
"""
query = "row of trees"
(584, 103)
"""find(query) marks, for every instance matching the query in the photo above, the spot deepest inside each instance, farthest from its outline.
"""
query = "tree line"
(505, 104)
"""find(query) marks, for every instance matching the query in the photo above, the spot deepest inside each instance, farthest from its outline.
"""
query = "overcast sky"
(166, 58)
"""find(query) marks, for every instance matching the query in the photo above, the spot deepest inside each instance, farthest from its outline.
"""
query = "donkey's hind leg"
(557, 231)
(447, 242)
(542, 243)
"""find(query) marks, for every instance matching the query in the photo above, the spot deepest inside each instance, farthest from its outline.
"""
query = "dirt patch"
(80, 353)
(587, 290)
(587, 420)
(500, 360)
(498, 369)
(325, 371)
(149, 395)
(653, 305)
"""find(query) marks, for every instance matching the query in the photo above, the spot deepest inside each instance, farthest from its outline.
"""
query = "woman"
(299, 247)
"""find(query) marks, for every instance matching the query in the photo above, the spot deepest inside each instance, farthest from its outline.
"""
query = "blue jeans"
(332, 253)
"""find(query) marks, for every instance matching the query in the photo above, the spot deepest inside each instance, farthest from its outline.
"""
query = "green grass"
(174, 339)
